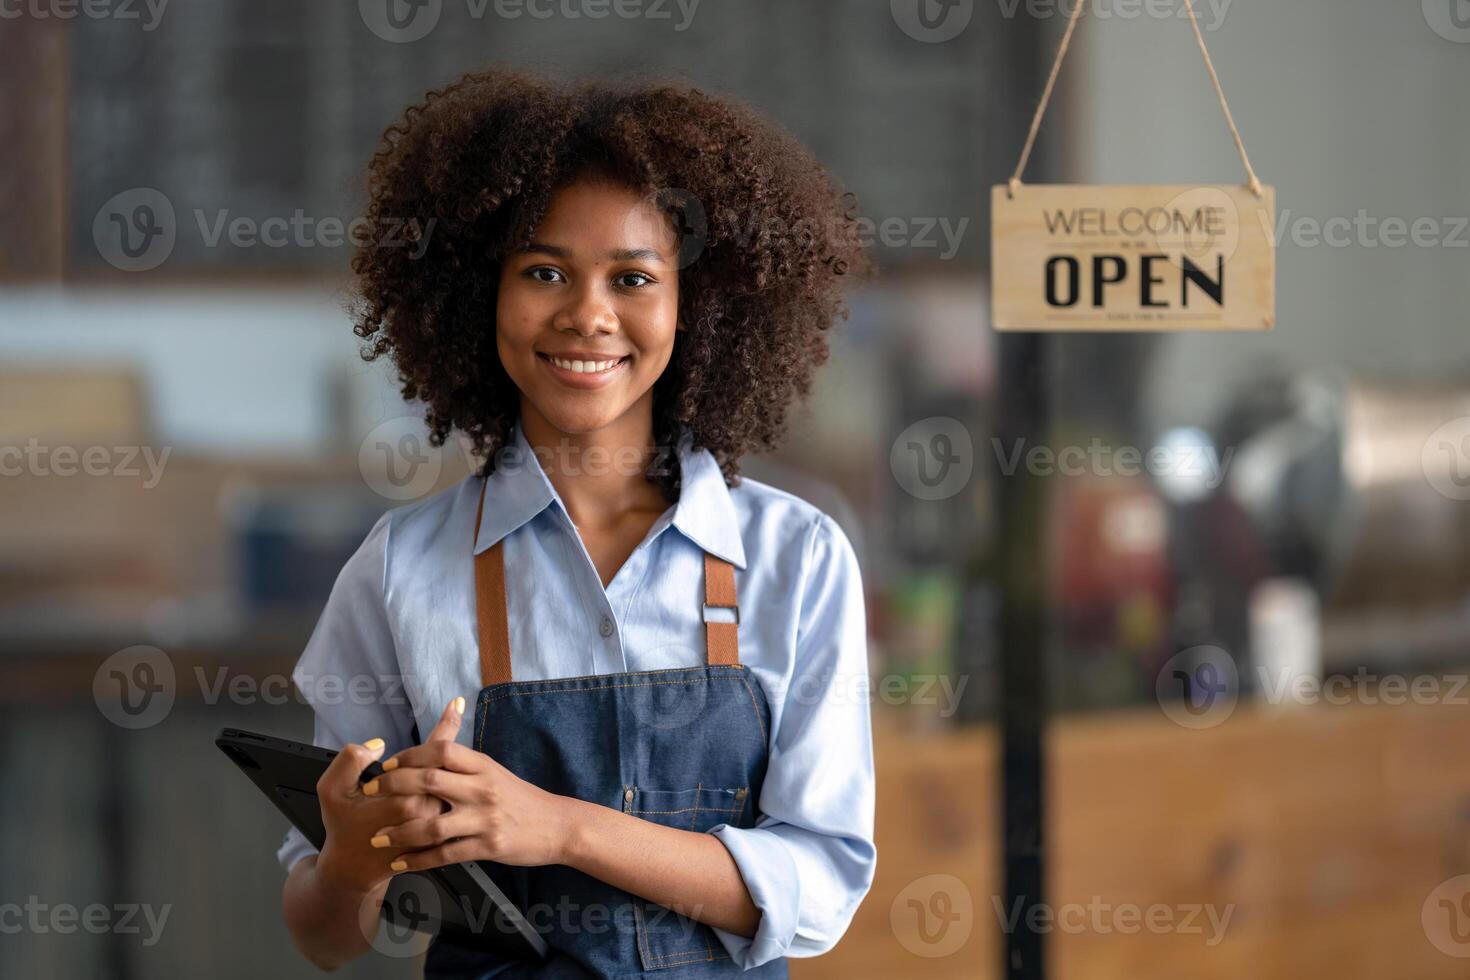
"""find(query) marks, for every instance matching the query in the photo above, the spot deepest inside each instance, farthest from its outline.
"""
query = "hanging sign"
(1146, 257)
(1077, 257)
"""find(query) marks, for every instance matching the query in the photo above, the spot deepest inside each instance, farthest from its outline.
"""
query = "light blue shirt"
(397, 641)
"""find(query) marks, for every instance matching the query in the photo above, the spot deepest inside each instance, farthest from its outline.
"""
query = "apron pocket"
(665, 938)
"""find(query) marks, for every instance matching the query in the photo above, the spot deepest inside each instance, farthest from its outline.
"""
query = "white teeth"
(583, 367)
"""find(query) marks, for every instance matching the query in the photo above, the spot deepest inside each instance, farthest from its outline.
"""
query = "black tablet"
(457, 901)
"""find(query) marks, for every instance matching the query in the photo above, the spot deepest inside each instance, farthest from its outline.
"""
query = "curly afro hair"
(473, 167)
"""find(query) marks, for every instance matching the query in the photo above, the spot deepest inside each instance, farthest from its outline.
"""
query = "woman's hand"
(348, 861)
(493, 814)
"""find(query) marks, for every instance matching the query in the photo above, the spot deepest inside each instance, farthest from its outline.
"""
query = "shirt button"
(606, 628)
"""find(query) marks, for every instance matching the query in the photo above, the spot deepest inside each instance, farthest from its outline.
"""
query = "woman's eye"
(640, 279)
(544, 273)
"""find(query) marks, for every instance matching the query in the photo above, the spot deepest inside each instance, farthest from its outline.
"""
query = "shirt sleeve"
(349, 672)
(809, 861)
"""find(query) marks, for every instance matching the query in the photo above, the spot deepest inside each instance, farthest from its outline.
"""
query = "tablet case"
(458, 902)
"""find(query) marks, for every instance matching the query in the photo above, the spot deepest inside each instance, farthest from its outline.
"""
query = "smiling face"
(587, 313)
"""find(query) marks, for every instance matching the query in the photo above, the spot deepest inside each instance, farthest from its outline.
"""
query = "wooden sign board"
(1149, 257)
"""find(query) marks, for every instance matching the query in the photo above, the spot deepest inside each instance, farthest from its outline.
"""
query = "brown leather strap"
(494, 624)
(721, 640)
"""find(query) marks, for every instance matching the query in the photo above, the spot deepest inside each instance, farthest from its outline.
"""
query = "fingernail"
(370, 788)
(459, 705)
(390, 765)
(373, 744)
(399, 865)
(380, 841)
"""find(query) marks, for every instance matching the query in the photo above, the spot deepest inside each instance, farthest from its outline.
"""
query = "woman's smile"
(577, 369)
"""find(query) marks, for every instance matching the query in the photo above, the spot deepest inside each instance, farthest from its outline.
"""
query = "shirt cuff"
(294, 848)
(770, 877)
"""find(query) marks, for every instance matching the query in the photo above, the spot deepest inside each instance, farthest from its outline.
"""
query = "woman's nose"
(587, 312)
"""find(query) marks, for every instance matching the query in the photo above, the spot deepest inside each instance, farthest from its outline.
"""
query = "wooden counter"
(1321, 831)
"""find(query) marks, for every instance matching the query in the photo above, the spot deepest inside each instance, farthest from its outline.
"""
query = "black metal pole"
(1023, 415)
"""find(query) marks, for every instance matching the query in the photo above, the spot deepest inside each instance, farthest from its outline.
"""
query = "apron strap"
(494, 625)
(721, 639)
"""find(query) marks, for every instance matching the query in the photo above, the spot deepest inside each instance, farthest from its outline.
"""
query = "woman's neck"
(599, 475)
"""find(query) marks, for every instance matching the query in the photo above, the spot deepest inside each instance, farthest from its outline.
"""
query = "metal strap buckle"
(735, 610)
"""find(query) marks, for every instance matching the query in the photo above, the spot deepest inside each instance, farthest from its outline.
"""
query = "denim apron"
(685, 748)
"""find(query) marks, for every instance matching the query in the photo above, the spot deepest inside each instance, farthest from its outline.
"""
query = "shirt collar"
(519, 490)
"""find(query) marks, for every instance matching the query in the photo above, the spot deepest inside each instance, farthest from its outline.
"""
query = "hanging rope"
(1014, 183)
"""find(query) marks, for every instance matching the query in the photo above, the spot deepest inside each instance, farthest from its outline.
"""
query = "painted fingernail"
(370, 788)
(381, 841)
(390, 765)
(373, 744)
(459, 705)
(399, 865)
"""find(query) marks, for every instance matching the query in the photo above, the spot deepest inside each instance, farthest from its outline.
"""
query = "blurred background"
(1169, 633)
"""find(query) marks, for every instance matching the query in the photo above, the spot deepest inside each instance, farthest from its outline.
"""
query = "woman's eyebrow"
(617, 254)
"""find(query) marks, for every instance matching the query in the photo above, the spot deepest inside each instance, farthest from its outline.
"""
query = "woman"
(621, 293)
